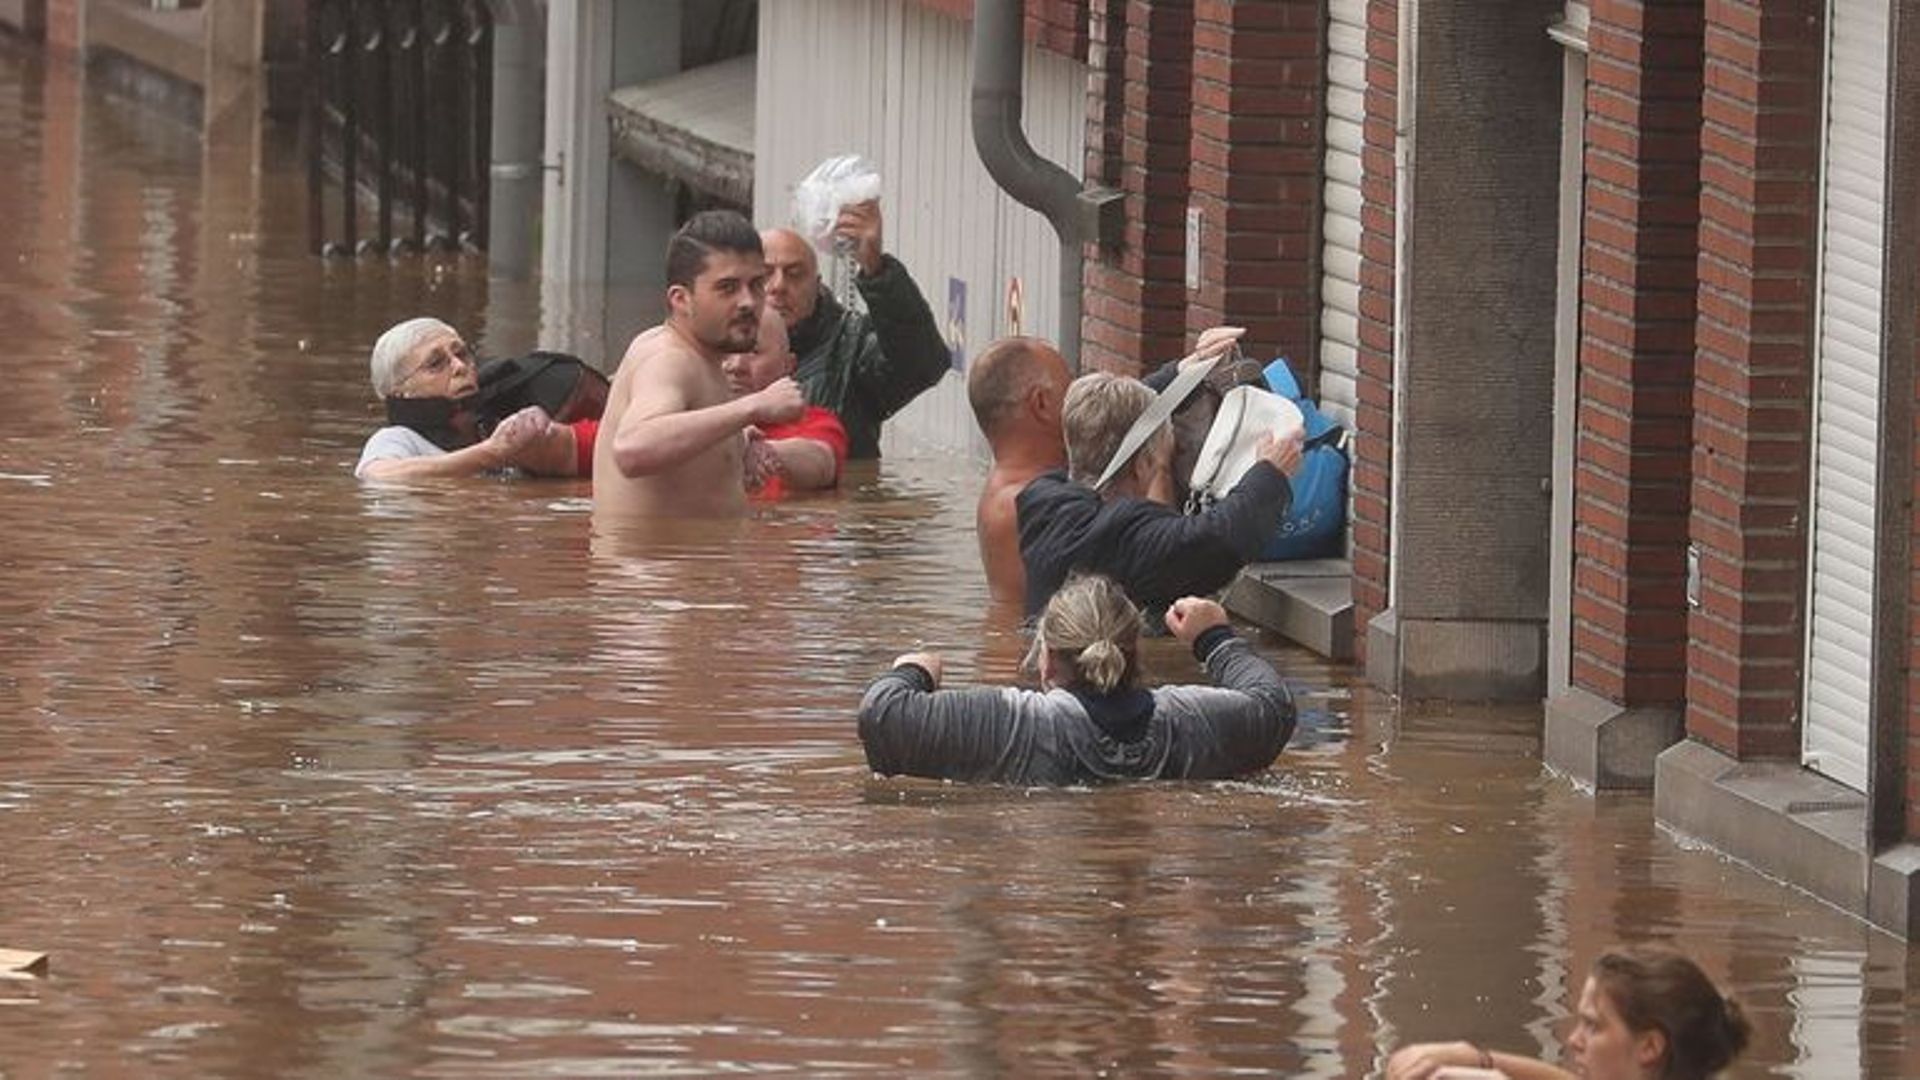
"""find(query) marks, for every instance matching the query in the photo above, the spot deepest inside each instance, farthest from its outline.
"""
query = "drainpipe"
(519, 135)
(1078, 216)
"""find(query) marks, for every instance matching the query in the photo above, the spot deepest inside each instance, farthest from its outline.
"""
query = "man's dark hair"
(704, 233)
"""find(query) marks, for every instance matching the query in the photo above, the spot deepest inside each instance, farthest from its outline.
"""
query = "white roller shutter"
(1340, 224)
(1847, 392)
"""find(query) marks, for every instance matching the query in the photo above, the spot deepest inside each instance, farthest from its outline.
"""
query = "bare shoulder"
(658, 355)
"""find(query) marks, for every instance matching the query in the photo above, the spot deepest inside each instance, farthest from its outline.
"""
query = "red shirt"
(584, 432)
(817, 424)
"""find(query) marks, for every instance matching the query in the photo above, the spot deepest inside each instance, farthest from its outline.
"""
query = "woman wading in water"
(1093, 721)
(1646, 1013)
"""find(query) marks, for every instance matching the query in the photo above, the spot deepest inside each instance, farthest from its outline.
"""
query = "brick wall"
(1753, 369)
(1255, 172)
(1638, 289)
(1056, 25)
(1138, 142)
(1373, 417)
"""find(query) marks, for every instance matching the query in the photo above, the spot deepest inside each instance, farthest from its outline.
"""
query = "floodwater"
(302, 778)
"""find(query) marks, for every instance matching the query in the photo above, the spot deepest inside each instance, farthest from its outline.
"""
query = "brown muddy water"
(300, 778)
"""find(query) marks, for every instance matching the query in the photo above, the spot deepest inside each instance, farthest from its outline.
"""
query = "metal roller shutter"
(1847, 391)
(1340, 224)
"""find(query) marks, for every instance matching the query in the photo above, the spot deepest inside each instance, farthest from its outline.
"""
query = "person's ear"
(1040, 402)
(680, 300)
(1650, 1049)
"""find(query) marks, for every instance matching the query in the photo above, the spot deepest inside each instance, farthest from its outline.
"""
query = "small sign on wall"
(956, 325)
(1194, 220)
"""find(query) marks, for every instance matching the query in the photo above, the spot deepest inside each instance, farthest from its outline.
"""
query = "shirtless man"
(1015, 387)
(673, 433)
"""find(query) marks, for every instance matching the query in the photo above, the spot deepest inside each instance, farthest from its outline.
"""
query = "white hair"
(396, 345)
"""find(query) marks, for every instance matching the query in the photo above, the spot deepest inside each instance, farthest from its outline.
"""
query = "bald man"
(804, 454)
(863, 367)
(1015, 387)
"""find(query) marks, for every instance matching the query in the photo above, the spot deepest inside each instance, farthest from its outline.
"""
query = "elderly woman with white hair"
(427, 376)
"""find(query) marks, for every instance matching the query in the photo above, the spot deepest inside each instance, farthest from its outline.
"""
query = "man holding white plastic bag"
(1110, 512)
(861, 366)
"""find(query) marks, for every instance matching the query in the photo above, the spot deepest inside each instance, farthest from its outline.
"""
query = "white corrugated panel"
(1847, 389)
(889, 80)
(1340, 220)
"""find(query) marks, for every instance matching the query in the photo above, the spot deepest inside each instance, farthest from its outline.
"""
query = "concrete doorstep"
(1309, 601)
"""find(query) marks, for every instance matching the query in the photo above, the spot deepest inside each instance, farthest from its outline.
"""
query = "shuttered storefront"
(1340, 227)
(1847, 390)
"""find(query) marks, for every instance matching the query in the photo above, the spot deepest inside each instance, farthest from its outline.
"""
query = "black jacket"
(866, 367)
(1154, 552)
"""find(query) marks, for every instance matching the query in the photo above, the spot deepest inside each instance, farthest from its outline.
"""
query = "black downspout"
(1078, 217)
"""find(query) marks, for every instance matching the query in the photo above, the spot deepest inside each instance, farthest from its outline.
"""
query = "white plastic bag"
(836, 182)
(1247, 415)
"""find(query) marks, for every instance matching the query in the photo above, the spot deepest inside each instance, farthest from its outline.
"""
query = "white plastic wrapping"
(839, 181)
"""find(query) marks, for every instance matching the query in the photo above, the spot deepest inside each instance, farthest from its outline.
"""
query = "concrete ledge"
(1788, 823)
(1605, 746)
(1383, 651)
(1893, 892)
(27, 18)
(171, 42)
(1309, 601)
(1472, 660)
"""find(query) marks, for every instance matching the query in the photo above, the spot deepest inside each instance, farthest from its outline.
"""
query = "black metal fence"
(396, 124)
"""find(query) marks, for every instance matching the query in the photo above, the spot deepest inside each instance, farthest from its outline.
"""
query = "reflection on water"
(307, 779)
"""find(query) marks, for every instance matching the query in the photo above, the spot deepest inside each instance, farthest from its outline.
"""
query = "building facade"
(1618, 298)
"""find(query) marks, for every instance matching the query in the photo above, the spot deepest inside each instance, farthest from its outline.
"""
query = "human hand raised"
(1190, 616)
(1284, 452)
(1215, 341)
(930, 661)
(780, 402)
(860, 227)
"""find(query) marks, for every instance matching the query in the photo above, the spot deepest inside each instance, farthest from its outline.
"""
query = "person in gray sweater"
(1093, 721)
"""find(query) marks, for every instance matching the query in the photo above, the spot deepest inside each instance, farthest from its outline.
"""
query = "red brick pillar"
(1760, 157)
(1059, 26)
(66, 23)
(1138, 139)
(1635, 395)
(1371, 478)
(1255, 172)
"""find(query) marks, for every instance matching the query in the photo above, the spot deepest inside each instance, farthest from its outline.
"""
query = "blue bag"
(1315, 525)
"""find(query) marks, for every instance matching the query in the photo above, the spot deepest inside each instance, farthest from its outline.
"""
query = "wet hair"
(705, 233)
(392, 348)
(1000, 376)
(1656, 988)
(1091, 631)
(1098, 410)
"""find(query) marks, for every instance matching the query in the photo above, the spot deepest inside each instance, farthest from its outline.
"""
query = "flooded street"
(304, 778)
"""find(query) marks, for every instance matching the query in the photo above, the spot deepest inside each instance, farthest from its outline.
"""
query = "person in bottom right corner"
(1646, 1013)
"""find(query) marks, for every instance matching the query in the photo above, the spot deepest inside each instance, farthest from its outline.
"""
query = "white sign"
(1193, 247)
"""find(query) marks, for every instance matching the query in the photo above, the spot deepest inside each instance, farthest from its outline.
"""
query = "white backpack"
(1247, 414)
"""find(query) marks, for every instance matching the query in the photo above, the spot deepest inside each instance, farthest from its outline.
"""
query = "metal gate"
(396, 124)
